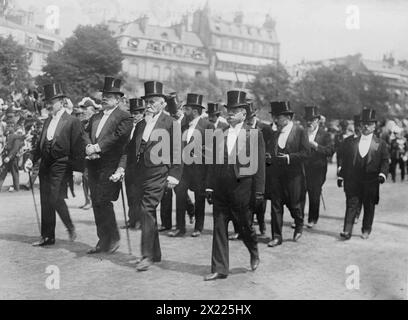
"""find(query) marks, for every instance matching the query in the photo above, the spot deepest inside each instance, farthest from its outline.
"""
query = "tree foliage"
(14, 74)
(83, 62)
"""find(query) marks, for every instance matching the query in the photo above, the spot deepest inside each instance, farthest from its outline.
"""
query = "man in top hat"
(173, 107)
(267, 133)
(214, 116)
(229, 184)
(322, 148)
(137, 108)
(364, 167)
(107, 136)
(194, 174)
(61, 150)
(152, 166)
(287, 152)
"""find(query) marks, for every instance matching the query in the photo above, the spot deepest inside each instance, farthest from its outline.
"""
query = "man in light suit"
(152, 166)
(364, 166)
(107, 136)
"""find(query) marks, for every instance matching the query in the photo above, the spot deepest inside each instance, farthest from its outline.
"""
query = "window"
(156, 73)
(164, 35)
(179, 50)
(234, 45)
(240, 45)
(250, 46)
(256, 47)
(133, 43)
(167, 74)
(168, 48)
(198, 74)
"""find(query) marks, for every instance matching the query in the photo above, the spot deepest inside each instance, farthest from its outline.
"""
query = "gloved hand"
(28, 166)
(91, 149)
(340, 183)
(93, 156)
(118, 175)
(381, 179)
(209, 196)
(6, 160)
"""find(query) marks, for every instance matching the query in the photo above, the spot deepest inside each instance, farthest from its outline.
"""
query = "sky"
(307, 30)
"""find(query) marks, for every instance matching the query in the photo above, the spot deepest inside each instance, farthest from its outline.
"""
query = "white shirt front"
(233, 133)
(150, 124)
(312, 136)
(191, 128)
(284, 134)
(53, 124)
(106, 114)
(254, 124)
(364, 144)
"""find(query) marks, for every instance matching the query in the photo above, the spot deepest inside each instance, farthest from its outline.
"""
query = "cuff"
(287, 156)
(120, 170)
(97, 148)
(340, 178)
(172, 180)
(383, 175)
(209, 190)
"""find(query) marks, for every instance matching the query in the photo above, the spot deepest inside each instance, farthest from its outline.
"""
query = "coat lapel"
(95, 126)
(44, 132)
(107, 124)
(291, 137)
(139, 134)
(158, 125)
(61, 123)
(373, 148)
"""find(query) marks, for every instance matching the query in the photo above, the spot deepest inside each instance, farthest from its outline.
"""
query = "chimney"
(269, 22)
(239, 17)
(143, 21)
(179, 29)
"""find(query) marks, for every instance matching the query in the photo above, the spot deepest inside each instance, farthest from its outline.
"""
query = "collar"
(194, 122)
(314, 132)
(154, 118)
(287, 128)
(366, 138)
(237, 127)
(254, 124)
(59, 114)
(108, 112)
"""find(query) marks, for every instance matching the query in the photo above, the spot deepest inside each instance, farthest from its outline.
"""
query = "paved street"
(313, 268)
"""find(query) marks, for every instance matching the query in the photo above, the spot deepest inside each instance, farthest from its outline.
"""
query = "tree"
(373, 93)
(271, 83)
(83, 62)
(14, 74)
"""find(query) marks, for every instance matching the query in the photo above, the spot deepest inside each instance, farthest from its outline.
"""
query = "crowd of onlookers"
(23, 114)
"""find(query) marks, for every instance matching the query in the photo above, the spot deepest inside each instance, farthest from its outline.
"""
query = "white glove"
(6, 160)
(172, 182)
(118, 175)
(28, 166)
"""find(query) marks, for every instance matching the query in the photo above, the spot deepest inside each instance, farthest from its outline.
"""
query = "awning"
(226, 57)
(223, 75)
(46, 38)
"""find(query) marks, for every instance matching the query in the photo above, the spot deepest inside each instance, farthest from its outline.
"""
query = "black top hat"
(194, 100)
(311, 112)
(153, 89)
(112, 85)
(368, 115)
(53, 91)
(236, 99)
(213, 108)
(136, 104)
(280, 107)
(173, 103)
(357, 118)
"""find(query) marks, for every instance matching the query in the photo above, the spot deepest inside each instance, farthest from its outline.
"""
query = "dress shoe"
(44, 242)
(87, 206)
(215, 276)
(176, 233)
(365, 235)
(196, 234)
(72, 234)
(297, 236)
(274, 243)
(114, 246)
(345, 235)
(254, 262)
(310, 225)
(233, 236)
(293, 225)
(95, 250)
(144, 265)
(163, 228)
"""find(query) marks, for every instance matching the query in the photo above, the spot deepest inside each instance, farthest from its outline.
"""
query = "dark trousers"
(53, 191)
(133, 213)
(150, 184)
(258, 211)
(315, 178)
(231, 200)
(11, 167)
(366, 198)
(85, 186)
(166, 208)
(106, 226)
(393, 168)
(286, 189)
(193, 180)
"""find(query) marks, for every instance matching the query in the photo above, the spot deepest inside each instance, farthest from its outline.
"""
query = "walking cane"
(324, 204)
(35, 203)
(124, 215)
